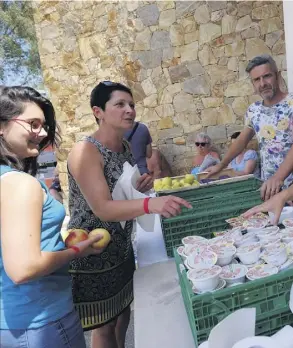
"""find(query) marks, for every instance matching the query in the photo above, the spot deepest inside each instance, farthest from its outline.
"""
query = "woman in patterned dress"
(103, 284)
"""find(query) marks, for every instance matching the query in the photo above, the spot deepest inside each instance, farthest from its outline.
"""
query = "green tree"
(19, 57)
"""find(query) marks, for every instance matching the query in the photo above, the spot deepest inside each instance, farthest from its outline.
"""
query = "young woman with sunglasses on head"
(36, 304)
(203, 145)
(103, 284)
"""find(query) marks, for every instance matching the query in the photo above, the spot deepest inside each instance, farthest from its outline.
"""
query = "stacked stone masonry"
(184, 60)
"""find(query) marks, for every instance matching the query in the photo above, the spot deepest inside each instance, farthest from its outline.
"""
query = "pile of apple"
(76, 235)
(168, 183)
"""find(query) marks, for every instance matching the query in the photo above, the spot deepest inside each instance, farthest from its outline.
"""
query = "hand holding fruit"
(88, 244)
(167, 206)
(105, 238)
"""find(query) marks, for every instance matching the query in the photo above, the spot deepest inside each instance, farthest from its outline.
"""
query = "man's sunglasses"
(200, 144)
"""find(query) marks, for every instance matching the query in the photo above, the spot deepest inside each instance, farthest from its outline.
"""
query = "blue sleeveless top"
(43, 300)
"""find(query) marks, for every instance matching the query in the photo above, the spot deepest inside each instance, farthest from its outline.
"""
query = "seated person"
(204, 146)
(246, 162)
(158, 166)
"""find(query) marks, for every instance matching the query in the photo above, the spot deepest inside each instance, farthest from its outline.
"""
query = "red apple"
(75, 236)
(102, 243)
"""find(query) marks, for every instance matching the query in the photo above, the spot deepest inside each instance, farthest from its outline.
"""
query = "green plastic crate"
(270, 296)
(235, 185)
(212, 205)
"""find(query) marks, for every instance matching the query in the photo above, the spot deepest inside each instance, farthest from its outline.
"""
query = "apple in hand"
(102, 243)
(75, 235)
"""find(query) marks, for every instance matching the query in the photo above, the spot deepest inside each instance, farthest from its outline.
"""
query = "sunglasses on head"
(108, 83)
(200, 144)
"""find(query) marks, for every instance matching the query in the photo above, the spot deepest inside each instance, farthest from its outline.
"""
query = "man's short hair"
(260, 60)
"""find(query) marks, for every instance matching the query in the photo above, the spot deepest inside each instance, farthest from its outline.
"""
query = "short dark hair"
(13, 102)
(235, 135)
(102, 93)
(260, 60)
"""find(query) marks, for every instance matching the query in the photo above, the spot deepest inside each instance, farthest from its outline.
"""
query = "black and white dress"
(102, 285)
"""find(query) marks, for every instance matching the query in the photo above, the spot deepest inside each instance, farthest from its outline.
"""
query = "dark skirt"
(101, 295)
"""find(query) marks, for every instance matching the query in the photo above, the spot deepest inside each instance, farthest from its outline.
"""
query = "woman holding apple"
(103, 284)
(36, 304)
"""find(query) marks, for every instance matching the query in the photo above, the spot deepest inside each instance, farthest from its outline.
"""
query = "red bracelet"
(146, 205)
(75, 248)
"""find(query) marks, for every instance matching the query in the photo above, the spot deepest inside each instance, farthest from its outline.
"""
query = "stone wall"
(185, 62)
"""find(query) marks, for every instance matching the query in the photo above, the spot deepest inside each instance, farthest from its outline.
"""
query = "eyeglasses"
(200, 144)
(35, 125)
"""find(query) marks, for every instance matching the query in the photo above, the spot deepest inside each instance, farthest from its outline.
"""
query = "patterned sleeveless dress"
(102, 285)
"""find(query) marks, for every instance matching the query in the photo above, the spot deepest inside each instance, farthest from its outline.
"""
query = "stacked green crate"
(270, 296)
(211, 206)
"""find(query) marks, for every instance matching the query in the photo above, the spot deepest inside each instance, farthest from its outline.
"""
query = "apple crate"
(212, 204)
(269, 296)
(225, 174)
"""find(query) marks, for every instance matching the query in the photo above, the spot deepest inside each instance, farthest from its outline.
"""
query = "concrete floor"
(129, 336)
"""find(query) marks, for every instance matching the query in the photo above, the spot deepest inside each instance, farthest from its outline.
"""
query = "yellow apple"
(74, 236)
(189, 178)
(187, 185)
(195, 183)
(157, 182)
(182, 182)
(167, 181)
(102, 243)
(157, 185)
(175, 185)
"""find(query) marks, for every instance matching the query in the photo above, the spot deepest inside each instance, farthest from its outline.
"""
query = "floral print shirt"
(273, 127)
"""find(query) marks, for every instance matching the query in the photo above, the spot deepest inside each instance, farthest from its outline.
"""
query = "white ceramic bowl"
(221, 285)
(205, 279)
(249, 253)
(257, 263)
(268, 239)
(206, 259)
(266, 233)
(261, 271)
(254, 229)
(287, 235)
(234, 273)
(180, 251)
(288, 223)
(221, 240)
(246, 239)
(288, 264)
(290, 248)
(275, 257)
(225, 253)
(287, 239)
(236, 233)
(198, 240)
(194, 249)
(272, 229)
(269, 244)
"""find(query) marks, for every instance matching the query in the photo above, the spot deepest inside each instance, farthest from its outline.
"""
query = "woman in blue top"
(246, 162)
(36, 308)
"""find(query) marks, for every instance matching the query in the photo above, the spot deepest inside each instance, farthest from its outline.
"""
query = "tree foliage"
(19, 57)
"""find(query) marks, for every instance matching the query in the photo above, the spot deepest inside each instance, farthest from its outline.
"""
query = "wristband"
(146, 205)
(75, 248)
